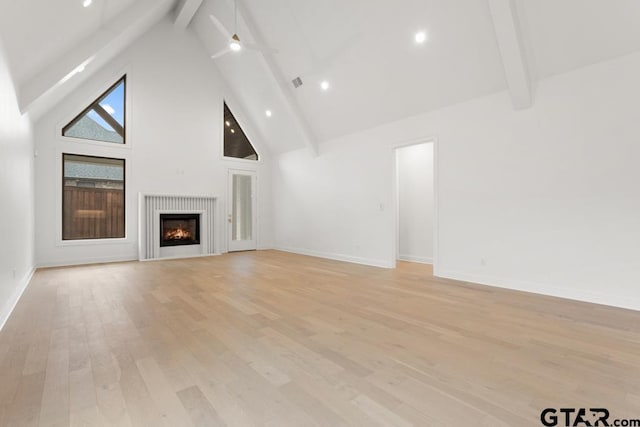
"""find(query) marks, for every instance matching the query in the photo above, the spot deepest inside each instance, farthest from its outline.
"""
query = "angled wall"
(16, 195)
(543, 200)
(174, 142)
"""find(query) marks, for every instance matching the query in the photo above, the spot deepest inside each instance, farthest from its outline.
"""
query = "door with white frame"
(242, 218)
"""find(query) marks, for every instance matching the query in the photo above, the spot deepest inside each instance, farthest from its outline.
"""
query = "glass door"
(242, 207)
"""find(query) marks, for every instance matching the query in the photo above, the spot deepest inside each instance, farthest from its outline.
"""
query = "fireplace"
(179, 229)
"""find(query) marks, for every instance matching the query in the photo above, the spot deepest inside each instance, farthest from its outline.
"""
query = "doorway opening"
(416, 203)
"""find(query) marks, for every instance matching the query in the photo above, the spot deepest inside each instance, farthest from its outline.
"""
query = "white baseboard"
(101, 260)
(10, 305)
(419, 259)
(620, 301)
(338, 257)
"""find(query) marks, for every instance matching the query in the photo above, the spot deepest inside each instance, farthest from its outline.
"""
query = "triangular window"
(104, 119)
(236, 143)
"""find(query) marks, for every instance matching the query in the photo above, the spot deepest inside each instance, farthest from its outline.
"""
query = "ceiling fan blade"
(220, 26)
(265, 49)
(222, 52)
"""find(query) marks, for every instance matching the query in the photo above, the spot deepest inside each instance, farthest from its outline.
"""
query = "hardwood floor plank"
(161, 393)
(141, 408)
(316, 409)
(82, 390)
(24, 410)
(384, 416)
(11, 371)
(276, 339)
(198, 407)
(54, 409)
(111, 405)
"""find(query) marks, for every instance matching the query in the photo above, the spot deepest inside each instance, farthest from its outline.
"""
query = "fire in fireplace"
(179, 229)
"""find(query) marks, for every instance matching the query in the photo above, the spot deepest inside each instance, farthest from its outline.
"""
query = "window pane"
(104, 119)
(92, 198)
(236, 143)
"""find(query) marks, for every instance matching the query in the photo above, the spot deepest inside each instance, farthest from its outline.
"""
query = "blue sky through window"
(114, 105)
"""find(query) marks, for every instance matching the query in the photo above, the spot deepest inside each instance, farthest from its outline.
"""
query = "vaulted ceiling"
(48, 43)
(378, 74)
(363, 48)
(36, 32)
(569, 34)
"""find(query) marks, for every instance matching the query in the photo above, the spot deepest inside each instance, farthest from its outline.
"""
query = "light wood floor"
(269, 338)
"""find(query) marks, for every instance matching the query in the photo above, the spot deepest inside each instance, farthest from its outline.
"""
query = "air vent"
(297, 82)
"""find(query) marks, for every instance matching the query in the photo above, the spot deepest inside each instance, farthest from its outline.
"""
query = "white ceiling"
(569, 34)
(364, 48)
(378, 74)
(36, 32)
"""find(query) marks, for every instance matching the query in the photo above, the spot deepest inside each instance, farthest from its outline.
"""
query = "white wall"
(544, 200)
(16, 195)
(415, 202)
(175, 100)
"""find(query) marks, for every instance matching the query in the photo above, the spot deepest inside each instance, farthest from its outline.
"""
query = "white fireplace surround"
(151, 206)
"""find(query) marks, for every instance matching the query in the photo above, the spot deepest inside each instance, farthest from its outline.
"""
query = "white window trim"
(72, 149)
(95, 94)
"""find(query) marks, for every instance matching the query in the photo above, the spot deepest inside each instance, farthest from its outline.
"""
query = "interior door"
(242, 211)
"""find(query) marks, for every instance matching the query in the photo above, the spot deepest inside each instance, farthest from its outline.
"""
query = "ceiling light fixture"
(227, 123)
(235, 45)
(324, 85)
(80, 68)
(233, 131)
(421, 37)
(87, 3)
(268, 113)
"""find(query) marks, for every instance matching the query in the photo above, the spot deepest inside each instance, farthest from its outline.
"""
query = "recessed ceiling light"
(421, 37)
(268, 113)
(233, 131)
(324, 85)
(87, 3)
(227, 123)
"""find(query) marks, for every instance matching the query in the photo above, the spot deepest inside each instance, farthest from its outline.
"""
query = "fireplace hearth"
(179, 229)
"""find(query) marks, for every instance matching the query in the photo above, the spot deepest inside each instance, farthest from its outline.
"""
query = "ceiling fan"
(235, 44)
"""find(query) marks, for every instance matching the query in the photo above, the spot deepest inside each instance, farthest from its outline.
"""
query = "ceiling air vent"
(297, 82)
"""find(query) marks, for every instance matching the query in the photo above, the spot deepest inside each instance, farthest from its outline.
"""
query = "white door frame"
(394, 190)
(247, 245)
